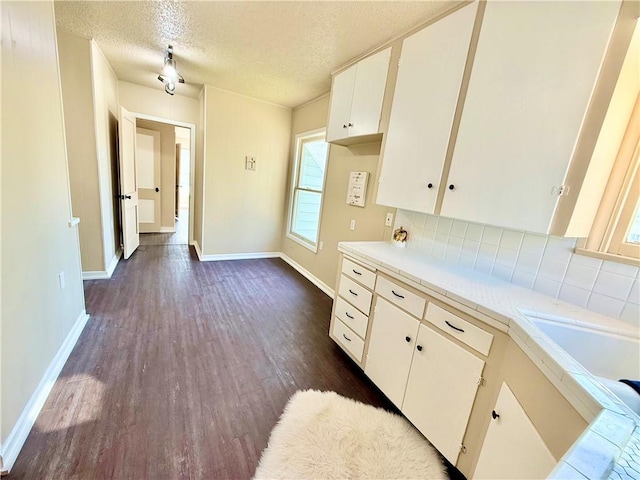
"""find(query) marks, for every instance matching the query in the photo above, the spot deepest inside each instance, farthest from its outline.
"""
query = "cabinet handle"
(397, 294)
(347, 314)
(346, 338)
(458, 329)
(452, 186)
(356, 272)
(419, 347)
(408, 339)
(494, 414)
(430, 185)
(353, 293)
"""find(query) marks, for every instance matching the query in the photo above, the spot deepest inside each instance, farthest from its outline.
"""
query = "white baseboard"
(236, 256)
(309, 276)
(167, 230)
(11, 448)
(104, 274)
(196, 245)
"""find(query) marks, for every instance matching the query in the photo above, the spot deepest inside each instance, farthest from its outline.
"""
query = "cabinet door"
(341, 95)
(393, 336)
(535, 68)
(512, 448)
(424, 103)
(368, 93)
(441, 390)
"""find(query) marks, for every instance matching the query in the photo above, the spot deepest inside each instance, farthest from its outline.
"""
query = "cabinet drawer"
(402, 297)
(464, 331)
(359, 273)
(357, 295)
(348, 340)
(352, 317)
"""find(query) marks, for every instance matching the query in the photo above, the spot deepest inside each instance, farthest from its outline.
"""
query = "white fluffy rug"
(325, 436)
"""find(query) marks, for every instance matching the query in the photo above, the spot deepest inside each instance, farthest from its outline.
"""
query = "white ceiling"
(281, 52)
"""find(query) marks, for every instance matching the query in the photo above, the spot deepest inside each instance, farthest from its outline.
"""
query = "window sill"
(608, 256)
(308, 246)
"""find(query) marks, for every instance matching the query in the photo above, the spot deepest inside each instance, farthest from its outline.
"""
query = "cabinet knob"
(452, 186)
(494, 414)
(419, 347)
(408, 339)
(351, 124)
(430, 185)
(344, 126)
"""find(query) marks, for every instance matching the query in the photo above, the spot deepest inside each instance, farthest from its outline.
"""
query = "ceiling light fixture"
(169, 74)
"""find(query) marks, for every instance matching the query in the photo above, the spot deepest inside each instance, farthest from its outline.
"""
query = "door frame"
(192, 159)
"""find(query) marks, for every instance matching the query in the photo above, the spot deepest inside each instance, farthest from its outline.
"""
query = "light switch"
(352, 225)
(389, 220)
(250, 163)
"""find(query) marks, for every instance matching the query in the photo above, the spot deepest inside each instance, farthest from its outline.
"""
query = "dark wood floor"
(184, 368)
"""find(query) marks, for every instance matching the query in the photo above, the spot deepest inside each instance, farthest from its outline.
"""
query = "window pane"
(634, 232)
(313, 164)
(306, 215)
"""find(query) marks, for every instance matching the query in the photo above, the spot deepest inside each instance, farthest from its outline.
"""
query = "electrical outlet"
(389, 220)
(61, 280)
(352, 225)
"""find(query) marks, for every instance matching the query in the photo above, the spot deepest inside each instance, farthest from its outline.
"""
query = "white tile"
(511, 239)
(455, 242)
(579, 276)
(491, 235)
(523, 278)
(631, 314)
(506, 257)
(474, 231)
(613, 285)
(470, 246)
(575, 295)
(528, 262)
(431, 223)
(547, 286)
(483, 265)
(553, 269)
(620, 268)
(634, 294)
(442, 237)
(415, 235)
(502, 272)
(535, 244)
(459, 228)
(592, 456)
(451, 256)
(419, 220)
(438, 250)
(605, 305)
(466, 260)
(586, 261)
(559, 249)
(488, 251)
(444, 225)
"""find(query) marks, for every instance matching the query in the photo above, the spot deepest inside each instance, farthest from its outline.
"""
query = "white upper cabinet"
(534, 72)
(356, 99)
(424, 103)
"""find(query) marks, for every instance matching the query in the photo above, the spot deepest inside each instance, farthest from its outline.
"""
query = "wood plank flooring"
(184, 368)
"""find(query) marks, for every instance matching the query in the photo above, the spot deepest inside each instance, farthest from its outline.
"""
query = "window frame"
(300, 139)
(619, 202)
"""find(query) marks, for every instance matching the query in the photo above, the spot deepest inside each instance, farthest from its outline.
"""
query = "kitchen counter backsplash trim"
(533, 261)
(505, 306)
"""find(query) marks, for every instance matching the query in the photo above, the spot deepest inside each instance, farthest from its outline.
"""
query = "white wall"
(537, 262)
(37, 242)
(243, 208)
(155, 102)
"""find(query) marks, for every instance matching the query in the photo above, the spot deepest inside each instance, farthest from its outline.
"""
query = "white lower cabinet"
(501, 456)
(393, 337)
(441, 389)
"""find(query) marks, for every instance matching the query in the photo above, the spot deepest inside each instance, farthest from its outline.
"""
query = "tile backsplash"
(534, 261)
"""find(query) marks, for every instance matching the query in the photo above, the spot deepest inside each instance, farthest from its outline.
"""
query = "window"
(310, 165)
(616, 230)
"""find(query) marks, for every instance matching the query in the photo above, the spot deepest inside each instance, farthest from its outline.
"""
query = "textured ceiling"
(282, 52)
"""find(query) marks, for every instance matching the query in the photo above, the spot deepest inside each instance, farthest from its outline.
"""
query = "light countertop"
(610, 446)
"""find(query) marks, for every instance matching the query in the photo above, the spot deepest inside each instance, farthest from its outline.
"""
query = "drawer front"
(351, 316)
(356, 294)
(466, 332)
(402, 297)
(348, 340)
(359, 273)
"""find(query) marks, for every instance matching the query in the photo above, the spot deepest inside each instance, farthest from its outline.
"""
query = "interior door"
(128, 185)
(148, 170)
(178, 152)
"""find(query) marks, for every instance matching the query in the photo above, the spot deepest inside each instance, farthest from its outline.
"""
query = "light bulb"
(170, 88)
